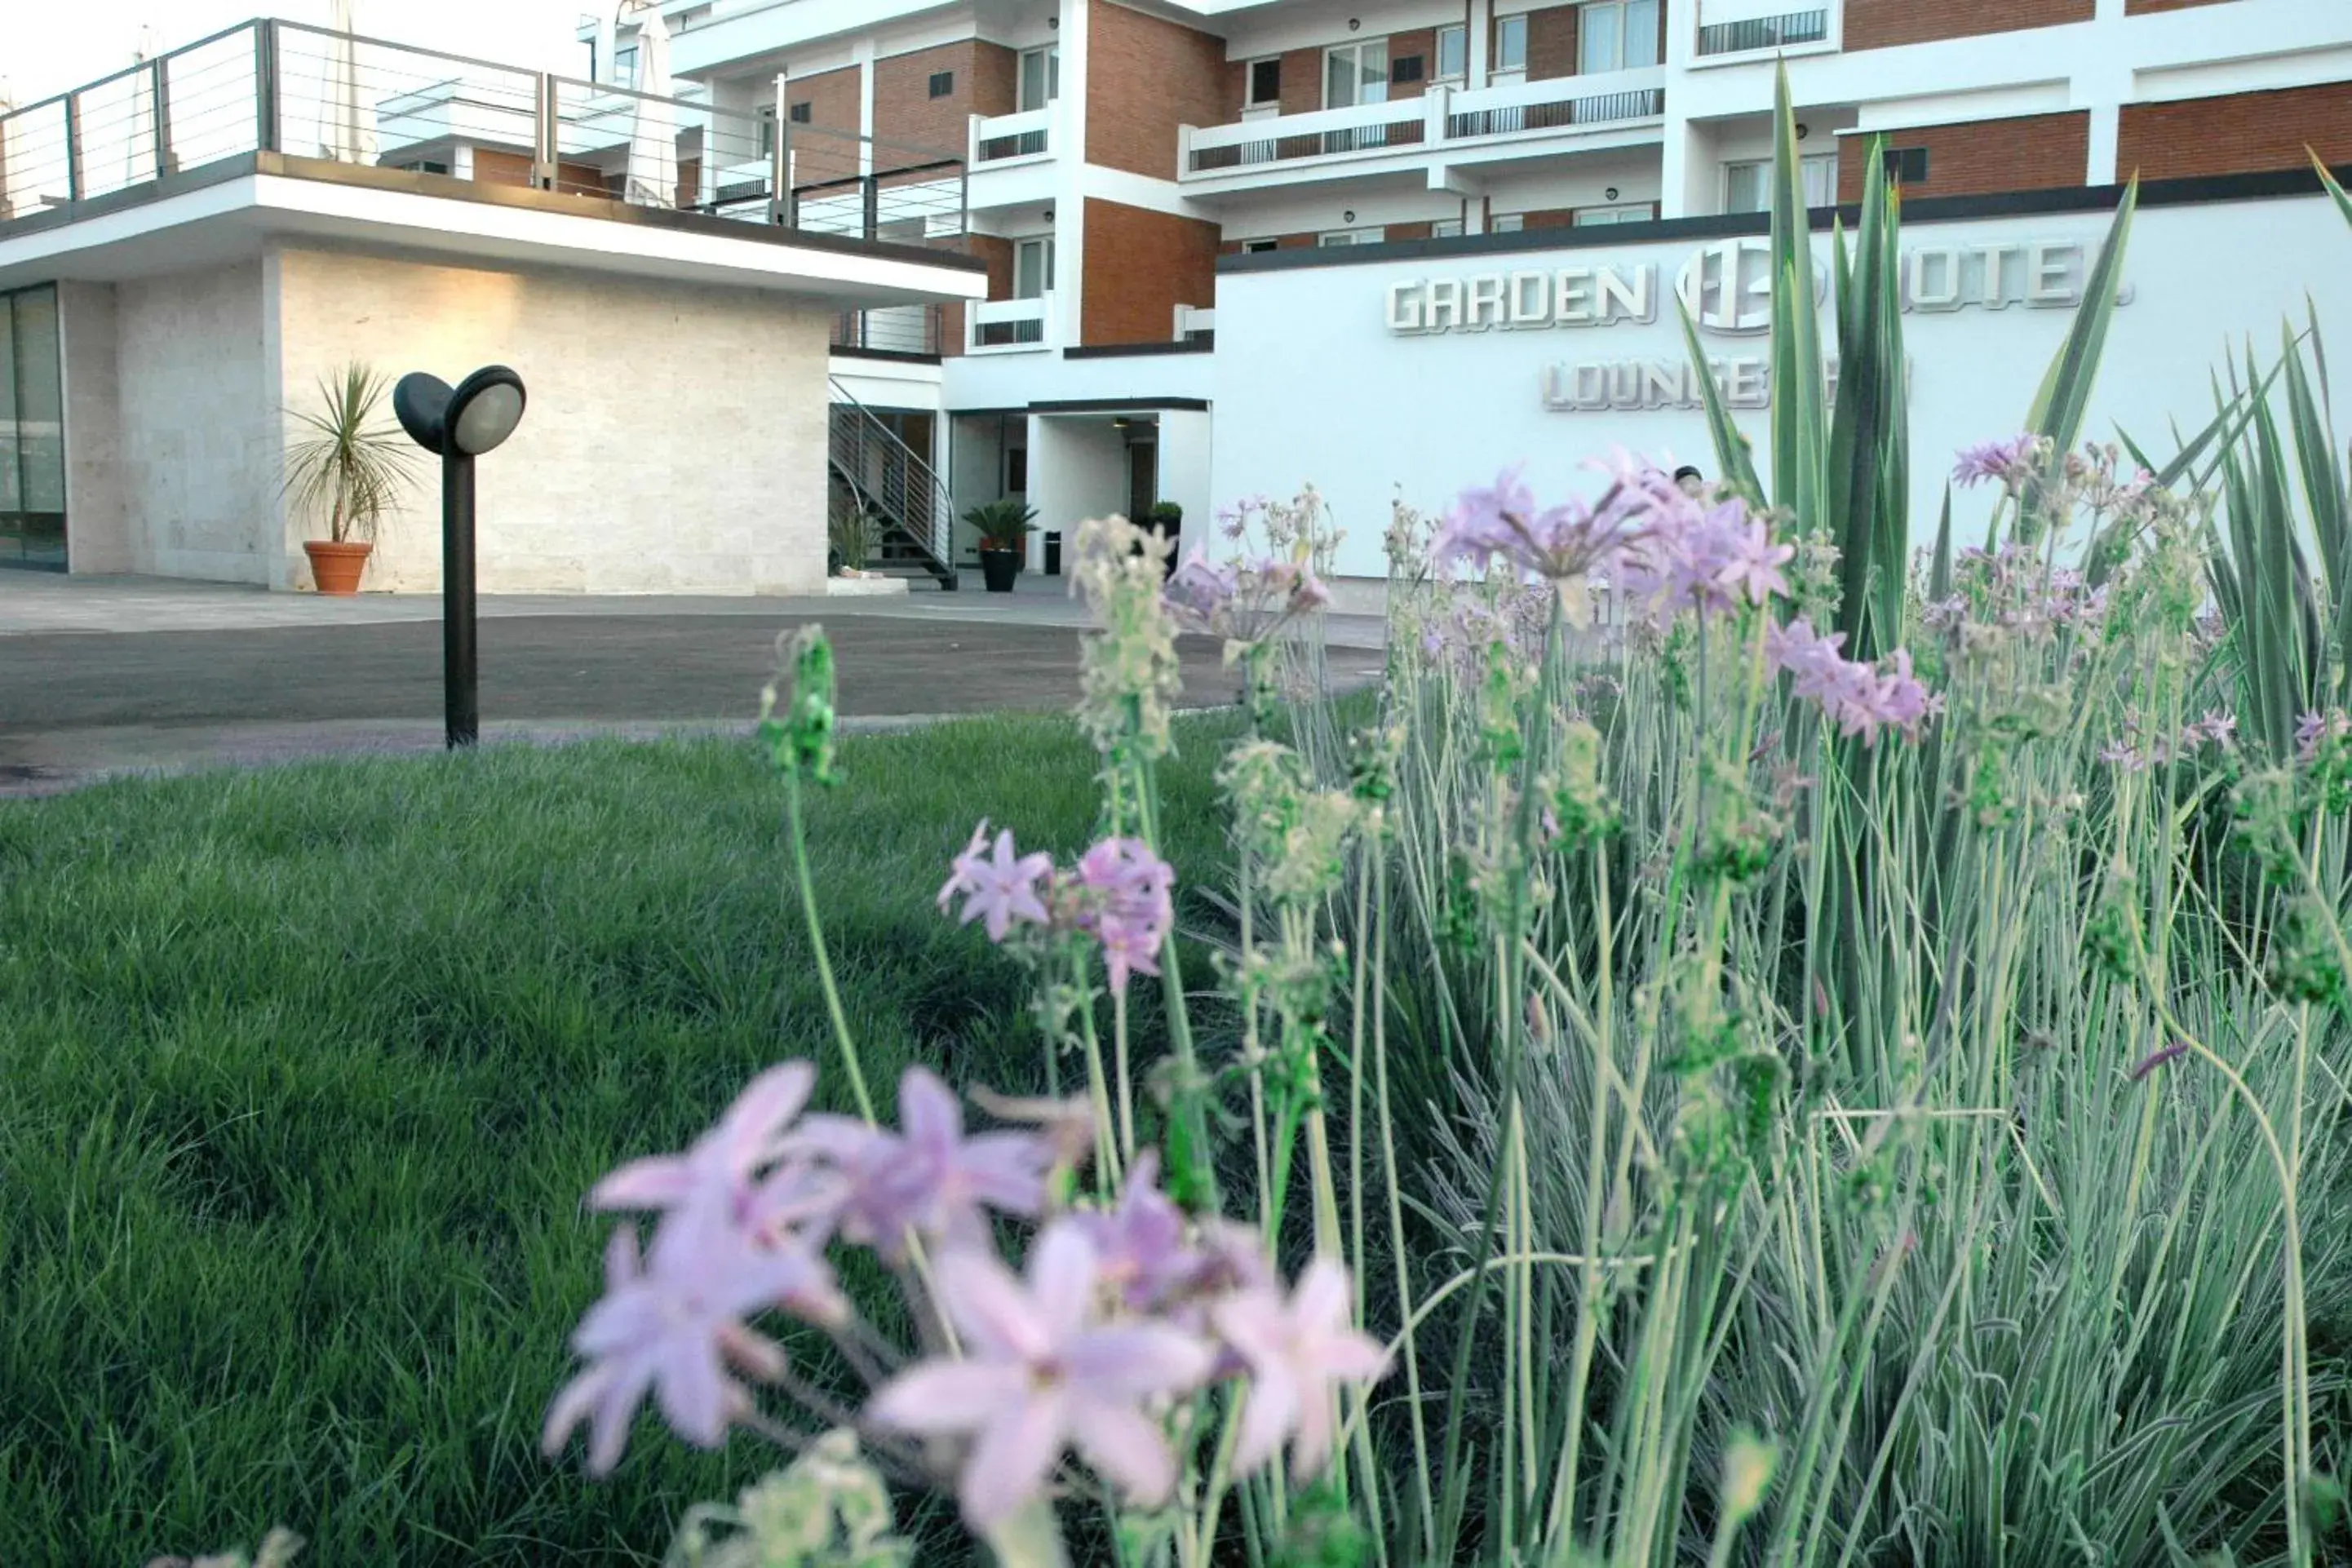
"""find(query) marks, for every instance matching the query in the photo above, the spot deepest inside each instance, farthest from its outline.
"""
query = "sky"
(50, 46)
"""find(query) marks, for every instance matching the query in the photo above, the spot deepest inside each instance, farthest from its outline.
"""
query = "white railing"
(1288, 138)
(1559, 103)
(1190, 318)
(995, 138)
(996, 325)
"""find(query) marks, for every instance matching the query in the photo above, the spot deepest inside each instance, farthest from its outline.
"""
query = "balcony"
(1008, 326)
(1002, 138)
(1782, 31)
(1603, 107)
(911, 331)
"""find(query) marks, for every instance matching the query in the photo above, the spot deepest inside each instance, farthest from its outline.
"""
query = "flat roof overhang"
(229, 210)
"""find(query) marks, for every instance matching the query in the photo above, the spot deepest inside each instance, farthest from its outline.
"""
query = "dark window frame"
(1253, 97)
(1404, 69)
(1905, 165)
(804, 113)
(943, 84)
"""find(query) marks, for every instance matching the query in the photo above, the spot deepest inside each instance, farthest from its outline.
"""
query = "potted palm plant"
(346, 470)
(1004, 528)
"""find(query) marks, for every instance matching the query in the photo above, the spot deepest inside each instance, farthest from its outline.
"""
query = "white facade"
(1597, 357)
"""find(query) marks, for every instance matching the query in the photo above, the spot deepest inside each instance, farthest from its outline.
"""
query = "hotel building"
(1201, 223)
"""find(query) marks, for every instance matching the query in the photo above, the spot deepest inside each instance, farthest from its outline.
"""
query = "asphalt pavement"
(80, 704)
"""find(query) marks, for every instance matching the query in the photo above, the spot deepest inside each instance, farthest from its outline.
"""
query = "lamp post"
(459, 425)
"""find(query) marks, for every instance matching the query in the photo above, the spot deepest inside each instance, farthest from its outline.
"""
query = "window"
(1747, 185)
(625, 67)
(1254, 246)
(1405, 69)
(1588, 217)
(1617, 35)
(802, 111)
(1907, 165)
(767, 131)
(1264, 83)
(1041, 76)
(424, 166)
(1445, 229)
(1356, 73)
(1452, 53)
(1033, 269)
(1507, 223)
(1510, 44)
(1352, 236)
(943, 84)
(1016, 470)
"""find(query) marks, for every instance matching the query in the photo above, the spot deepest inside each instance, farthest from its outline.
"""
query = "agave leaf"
(2343, 197)
(1940, 576)
(1732, 452)
(1799, 442)
(2065, 392)
(2315, 455)
(1867, 439)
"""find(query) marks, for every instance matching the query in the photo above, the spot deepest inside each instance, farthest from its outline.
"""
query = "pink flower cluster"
(2216, 727)
(1858, 699)
(1666, 549)
(1121, 1311)
(2012, 462)
(2311, 729)
(1120, 893)
(1242, 601)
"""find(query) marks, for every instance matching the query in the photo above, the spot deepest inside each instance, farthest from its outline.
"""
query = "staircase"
(871, 468)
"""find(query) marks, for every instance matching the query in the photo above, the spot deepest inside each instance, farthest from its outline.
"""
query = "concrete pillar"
(98, 522)
(1185, 474)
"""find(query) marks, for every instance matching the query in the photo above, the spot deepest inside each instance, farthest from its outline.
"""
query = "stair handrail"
(942, 530)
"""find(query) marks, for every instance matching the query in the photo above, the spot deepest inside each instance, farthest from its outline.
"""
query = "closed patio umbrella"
(348, 132)
(139, 160)
(653, 140)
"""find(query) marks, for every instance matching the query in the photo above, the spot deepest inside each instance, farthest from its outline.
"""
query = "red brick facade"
(832, 98)
(998, 254)
(1880, 24)
(2240, 133)
(984, 81)
(1420, 44)
(1983, 157)
(1144, 79)
(1141, 265)
(1552, 42)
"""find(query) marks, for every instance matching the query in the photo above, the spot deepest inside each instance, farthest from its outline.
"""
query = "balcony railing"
(889, 330)
(1764, 32)
(995, 138)
(1006, 325)
(1442, 117)
(283, 88)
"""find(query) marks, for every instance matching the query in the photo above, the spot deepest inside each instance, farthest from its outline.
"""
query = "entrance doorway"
(32, 432)
(1142, 473)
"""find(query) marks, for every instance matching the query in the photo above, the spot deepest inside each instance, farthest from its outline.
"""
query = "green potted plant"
(1004, 528)
(857, 538)
(346, 471)
(1166, 519)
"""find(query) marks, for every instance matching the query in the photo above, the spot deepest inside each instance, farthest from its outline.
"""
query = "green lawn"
(308, 1069)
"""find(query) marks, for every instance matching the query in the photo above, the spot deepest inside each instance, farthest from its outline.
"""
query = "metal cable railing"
(902, 489)
(286, 87)
(1764, 32)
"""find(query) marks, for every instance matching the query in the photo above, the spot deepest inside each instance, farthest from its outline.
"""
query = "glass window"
(1452, 53)
(1041, 76)
(1445, 229)
(1510, 42)
(32, 432)
(1633, 212)
(1033, 269)
(804, 111)
(1352, 236)
(1252, 247)
(1356, 73)
(943, 84)
(1617, 35)
(1748, 186)
(1819, 171)
(1265, 82)
(1508, 223)
(625, 67)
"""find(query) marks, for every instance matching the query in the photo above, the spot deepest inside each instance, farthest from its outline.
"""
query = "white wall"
(1077, 469)
(675, 440)
(98, 536)
(1311, 385)
(1185, 474)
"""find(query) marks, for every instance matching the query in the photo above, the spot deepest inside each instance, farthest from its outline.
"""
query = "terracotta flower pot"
(337, 567)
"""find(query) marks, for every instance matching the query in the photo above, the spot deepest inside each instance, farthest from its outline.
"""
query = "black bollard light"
(459, 425)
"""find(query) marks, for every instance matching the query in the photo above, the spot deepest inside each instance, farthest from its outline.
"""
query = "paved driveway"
(77, 705)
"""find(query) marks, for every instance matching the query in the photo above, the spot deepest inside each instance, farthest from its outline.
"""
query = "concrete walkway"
(101, 677)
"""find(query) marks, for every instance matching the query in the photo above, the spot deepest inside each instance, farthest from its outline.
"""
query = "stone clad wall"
(194, 441)
(675, 440)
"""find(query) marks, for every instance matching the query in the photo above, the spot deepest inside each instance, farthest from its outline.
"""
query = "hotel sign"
(1726, 287)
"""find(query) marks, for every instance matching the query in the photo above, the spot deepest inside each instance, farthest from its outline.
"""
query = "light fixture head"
(1354, 23)
(419, 402)
(1803, 131)
(1348, 217)
(475, 417)
(1610, 194)
(1118, 422)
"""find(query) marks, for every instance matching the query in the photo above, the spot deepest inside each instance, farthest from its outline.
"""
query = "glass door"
(32, 433)
(1041, 76)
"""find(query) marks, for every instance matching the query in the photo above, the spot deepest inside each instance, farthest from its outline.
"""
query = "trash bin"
(1053, 555)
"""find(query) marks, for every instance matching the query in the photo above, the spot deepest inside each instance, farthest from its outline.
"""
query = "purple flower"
(1040, 1376)
(1296, 1353)
(1562, 541)
(2117, 753)
(1199, 593)
(1708, 558)
(1003, 888)
(1241, 601)
(677, 1329)
(1139, 1248)
(927, 1176)
(1131, 908)
(2310, 729)
(2011, 462)
(1859, 700)
(750, 1136)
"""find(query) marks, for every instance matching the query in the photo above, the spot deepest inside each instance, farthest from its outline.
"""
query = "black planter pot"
(998, 568)
(1172, 533)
